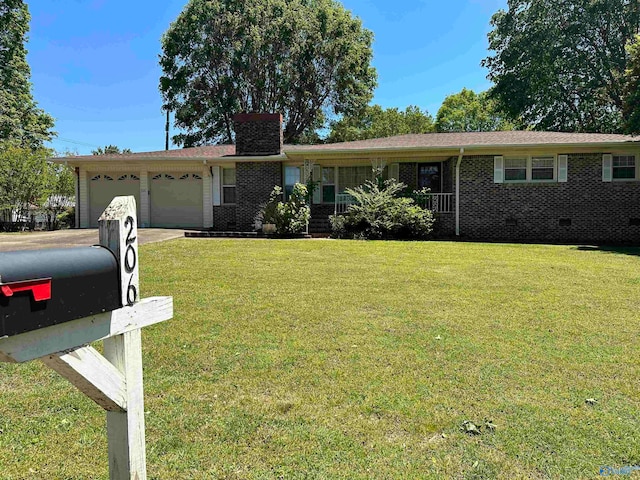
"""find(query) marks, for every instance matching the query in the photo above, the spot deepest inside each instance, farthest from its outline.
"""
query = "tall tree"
(22, 123)
(300, 58)
(375, 122)
(631, 104)
(467, 111)
(558, 64)
(110, 150)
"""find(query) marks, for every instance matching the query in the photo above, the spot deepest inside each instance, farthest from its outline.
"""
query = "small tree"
(23, 181)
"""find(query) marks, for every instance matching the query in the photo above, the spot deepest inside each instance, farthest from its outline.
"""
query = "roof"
(426, 141)
(472, 139)
(193, 153)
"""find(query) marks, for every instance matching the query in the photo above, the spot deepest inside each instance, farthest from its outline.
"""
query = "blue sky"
(94, 63)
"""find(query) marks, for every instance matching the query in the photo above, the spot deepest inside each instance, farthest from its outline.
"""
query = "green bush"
(67, 219)
(290, 217)
(379, 212)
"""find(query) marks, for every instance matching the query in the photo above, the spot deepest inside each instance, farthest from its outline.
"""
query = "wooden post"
(125, 429)
(113, 381)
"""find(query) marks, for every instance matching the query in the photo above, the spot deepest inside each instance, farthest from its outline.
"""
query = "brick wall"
(445, 225)
(254, 183)
(224, 218)
(408, 173)
(258, 133)
(598, 211)
(448, 175)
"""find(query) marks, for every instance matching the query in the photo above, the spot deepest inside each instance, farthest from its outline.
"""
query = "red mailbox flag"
(41, 288)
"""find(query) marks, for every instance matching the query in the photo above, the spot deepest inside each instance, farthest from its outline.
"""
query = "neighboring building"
(516, 185)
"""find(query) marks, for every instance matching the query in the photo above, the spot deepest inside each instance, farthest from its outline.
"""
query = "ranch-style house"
(513, 185)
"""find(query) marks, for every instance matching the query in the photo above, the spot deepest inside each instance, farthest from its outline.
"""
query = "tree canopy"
(375, 122)
(300, 58)
(110, 150)
(24, 177)
(30, 183)
(22, 123)
(558, 64)
(468, 111)
(631, 105)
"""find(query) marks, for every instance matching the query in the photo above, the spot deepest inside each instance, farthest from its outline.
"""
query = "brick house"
(517, 185)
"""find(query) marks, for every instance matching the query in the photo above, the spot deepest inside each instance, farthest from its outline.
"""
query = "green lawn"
(345, 359)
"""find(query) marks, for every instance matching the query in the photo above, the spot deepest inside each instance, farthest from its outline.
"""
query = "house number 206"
(130, 261)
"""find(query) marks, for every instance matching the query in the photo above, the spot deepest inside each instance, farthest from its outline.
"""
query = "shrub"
(67, 219)
(290, 217)
(269, 211)
(380, 212)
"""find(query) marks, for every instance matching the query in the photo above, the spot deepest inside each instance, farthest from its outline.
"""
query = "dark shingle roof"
(425, 141)
(471, 139)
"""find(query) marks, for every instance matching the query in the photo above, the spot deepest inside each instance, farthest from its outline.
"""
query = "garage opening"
(176, 200)
(104, 186)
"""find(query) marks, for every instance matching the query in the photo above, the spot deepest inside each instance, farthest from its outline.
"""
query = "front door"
(429, 177)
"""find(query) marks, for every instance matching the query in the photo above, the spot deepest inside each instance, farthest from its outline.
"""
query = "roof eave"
(467, 148)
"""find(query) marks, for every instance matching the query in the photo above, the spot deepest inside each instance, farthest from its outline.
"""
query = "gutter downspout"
(458, 192)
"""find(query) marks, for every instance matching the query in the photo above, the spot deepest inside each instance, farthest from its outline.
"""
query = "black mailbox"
(39, 288)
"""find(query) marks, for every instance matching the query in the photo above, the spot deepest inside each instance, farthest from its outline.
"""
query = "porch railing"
(343, 200)
(436, 202)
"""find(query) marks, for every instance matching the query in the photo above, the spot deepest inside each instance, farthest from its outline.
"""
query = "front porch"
(442, 204)
(436, 202)
(433, 175)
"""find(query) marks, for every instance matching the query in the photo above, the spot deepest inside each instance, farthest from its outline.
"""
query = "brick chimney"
(258, 133)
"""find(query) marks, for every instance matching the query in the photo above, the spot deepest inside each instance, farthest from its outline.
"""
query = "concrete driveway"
(75, 238)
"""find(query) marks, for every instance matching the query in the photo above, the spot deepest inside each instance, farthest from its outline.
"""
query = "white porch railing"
(436, 202)
(343, 200)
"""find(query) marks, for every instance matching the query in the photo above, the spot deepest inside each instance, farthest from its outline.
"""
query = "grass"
(344, 359)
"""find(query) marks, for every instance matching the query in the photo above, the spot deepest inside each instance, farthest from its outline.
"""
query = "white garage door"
(103, 187)
(176, 200)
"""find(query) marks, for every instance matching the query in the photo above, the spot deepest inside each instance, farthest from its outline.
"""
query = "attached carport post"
(458, 192)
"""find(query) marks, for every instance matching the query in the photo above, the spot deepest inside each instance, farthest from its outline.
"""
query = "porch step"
(319, 224)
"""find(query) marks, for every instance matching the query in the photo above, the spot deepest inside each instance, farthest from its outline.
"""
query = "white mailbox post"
(113, 381)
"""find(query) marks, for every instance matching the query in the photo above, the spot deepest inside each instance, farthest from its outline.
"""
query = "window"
(101, 177)
(530, 169)
(429, 177)
(328, 184)
(350, 177)
(190, 176)
(163, 176)
(291, 177)
(515, 169)
(624, 166)
(228, 185)
(542, 168)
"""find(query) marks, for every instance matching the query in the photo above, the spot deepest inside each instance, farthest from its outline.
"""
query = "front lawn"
(345, 359)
